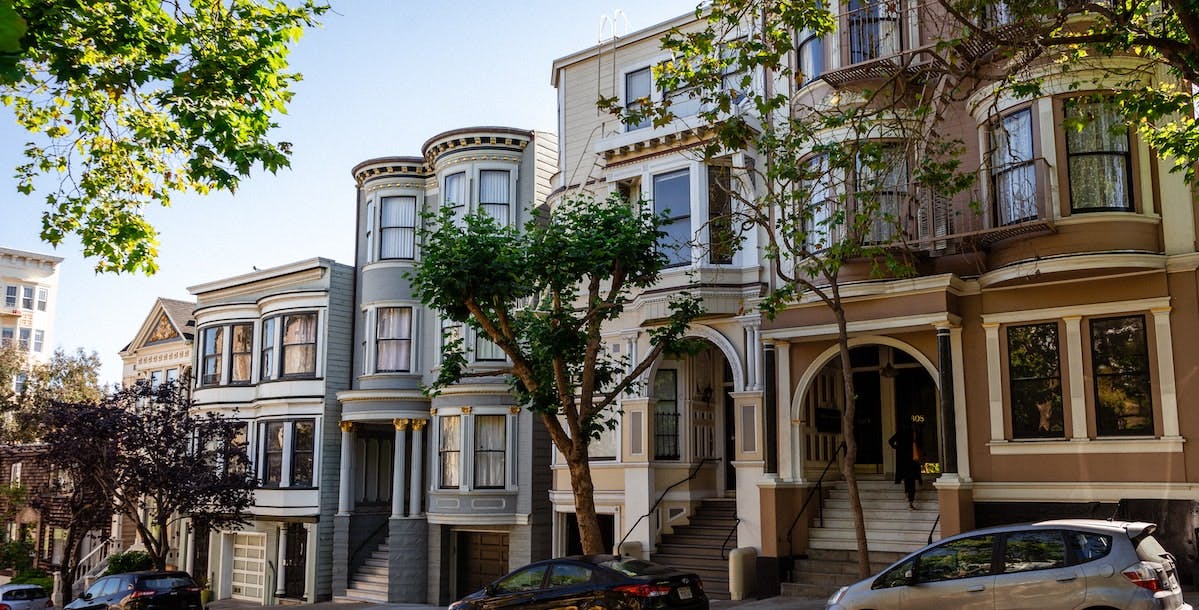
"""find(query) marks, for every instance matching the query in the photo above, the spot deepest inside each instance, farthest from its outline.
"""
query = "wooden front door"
(296, 561)
(482, 559)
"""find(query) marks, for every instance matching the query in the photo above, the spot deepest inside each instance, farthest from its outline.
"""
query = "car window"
(528, 579)
(167, 582)
(111, 586)
(636, 567)
(1088, 546)
(567, 574)
(97, 587)
(1034, 550)
(895, 577)
(961, 558)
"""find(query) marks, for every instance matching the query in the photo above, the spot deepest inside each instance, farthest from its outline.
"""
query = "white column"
(959, 401)
(187, 539)
(345, 497)
(310, 562)
(1078, 393)
(1165, 371)
(756, 345)
(414, 495)
(281, 561)
(994, 381)
(399, 467)
(790, 437)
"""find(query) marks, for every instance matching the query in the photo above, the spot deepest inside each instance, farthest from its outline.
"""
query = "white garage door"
(249, 566)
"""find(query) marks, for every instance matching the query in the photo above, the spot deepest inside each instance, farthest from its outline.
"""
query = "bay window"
(494, 196)
(268, 349)
(1120, 365)
(298, 345)
(672, 199)
(212, 344)
(450, 450)
(817, 210)
(486, 350)
(880, 191)
(490, 450)
(1013, 177)
(1035, 381)
(810, 52)
(721, 240)
(303, 443)
(393, 340)
(1098, 156)
(454, 196)
(397, 228)
(241, 354)
(294, 440)
(637, 86)
(272, 454)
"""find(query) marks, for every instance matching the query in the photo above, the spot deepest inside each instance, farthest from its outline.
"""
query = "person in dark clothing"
(908, 458)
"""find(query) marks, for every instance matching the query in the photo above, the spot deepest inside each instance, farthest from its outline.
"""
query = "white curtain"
(490, 440)
(454, 195)
(450, 450)
(299, 344)
(268, 349)
(243, 339)
(1013, 171)
(1098, 155)
(393, 339)
(494, 194)
(397, 228)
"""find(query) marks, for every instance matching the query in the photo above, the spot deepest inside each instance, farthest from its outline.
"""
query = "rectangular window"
(817, 212)
(811, 57)
(1098, 155)
(172, 375)
(212, 343)
(1013, 174)
(24, 335)
(268, 350)
(299, 344)
(393, 340)
(721, 240)
(43, 296)
(242, 353)
(683, 102)
(454, 196)
(39, 340)
(494, 197)
(636, 92)
(27, 297)
(397, 228)
(490, 445)
(880, 191)
(10, 296)
(672, 199)
(666, 415)
(1035, 378)
(155, 379)
(272, 454)
(874, 29)
(1120, 363)
(6, 337)
(225, 447)
(450, 450)
(451, 331)
(22, 381)
(303, 442)
(486, 350)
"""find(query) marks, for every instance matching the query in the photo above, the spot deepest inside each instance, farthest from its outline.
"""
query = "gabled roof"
(174, 314)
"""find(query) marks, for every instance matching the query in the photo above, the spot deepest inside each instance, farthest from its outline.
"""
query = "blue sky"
(380, 77)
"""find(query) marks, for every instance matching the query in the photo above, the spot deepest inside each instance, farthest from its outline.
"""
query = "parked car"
(1075, 564)
(140, 591)
(589, 583)
(24, 597)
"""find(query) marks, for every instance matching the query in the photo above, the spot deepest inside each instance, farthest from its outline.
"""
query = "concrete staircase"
(369, 583)
(696, 547)
(892, 531)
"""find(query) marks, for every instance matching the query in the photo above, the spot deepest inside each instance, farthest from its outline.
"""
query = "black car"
(140, 591)
(590, 583)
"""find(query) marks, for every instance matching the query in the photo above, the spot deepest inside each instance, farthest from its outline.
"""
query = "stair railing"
(694, 471)
(732, 530)
(816, 492)
(935, 523)
(374, 536)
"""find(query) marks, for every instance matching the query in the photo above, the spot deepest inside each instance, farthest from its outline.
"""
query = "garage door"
(482, 558)
(249, 566)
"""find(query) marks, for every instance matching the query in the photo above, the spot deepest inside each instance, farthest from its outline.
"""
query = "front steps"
(696, 547)
(892, 531)
(369, 583)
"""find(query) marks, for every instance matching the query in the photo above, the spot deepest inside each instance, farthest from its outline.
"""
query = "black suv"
(140, 591)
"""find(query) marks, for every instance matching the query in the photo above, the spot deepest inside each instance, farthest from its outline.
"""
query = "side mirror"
(86, 596)
(489, 589)
(909, 577)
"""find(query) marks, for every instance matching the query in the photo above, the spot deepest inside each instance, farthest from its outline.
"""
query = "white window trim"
(477, 183)
(697, 210)
(466, 448)
(370, 316)
(374, 228)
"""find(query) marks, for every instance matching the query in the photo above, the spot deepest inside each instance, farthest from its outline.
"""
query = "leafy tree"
(64, 377)
(130, 102)
(143, 451)
(542, 295)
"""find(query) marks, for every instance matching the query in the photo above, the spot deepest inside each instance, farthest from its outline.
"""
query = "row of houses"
(372, 490)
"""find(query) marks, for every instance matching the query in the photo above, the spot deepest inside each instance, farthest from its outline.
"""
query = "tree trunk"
(851, 446)
(163, 548)
(70, 561)
(578, 461)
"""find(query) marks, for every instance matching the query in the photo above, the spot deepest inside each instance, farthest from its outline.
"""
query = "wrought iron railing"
(662, 496)
(816, 492)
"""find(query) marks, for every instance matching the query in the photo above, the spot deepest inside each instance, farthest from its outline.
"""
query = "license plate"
(684, 592)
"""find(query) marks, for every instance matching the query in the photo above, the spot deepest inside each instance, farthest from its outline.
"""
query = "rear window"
(636, 567)
(166, 583)
(22, 594)
(1088, 546)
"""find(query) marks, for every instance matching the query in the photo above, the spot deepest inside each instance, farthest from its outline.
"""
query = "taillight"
(1145, 576)
(141, 593)
(639, 590)
(5, 607)
(49, 603)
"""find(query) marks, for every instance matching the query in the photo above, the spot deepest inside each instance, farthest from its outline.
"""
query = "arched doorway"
(892, 387)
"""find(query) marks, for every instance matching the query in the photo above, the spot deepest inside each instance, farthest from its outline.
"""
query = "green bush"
(129, 561)
(35, 577)
(16, 555)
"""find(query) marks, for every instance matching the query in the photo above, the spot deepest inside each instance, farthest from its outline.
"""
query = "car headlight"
(836, 597)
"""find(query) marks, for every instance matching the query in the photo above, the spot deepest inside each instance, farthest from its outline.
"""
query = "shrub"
(16, 555)
(129, 561)
(35, 577)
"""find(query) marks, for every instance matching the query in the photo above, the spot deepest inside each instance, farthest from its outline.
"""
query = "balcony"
(875, 44)
(10, 312)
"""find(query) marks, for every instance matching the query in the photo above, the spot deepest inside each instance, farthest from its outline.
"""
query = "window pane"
(957, 559)
(10, 296)
(487, 351)
(42, 297)
(1088, 546)
(528, 579)
(1035, 376)
(299, 344)
(493, 194)
(721, 239)
(243, 340)
(455, 195)
(1120, 361)
(1098, 150)
(213, 344)
(268, 349)
(811, 58)
(672, 197)
(873, 30)
(1034, 550)
(568, 574)
(637, 86)
(303, 440)
(27, 297)
(666, 415)
(490, 446)
(272, 471)
(393, 339)
(1013, 175)
(398, 228)
(450, 449)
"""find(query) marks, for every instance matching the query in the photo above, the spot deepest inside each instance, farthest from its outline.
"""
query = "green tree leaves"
(128, 103)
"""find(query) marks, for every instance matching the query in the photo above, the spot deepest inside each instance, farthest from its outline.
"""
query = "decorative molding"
(401, 424)
(1090, 309)
(1081, 446)
(1081, 491)
(419, 424)
(824, 331)
(466, 410)
(346, 426)
(514, 410)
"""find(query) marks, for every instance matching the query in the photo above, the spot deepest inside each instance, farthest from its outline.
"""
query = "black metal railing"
(690, 476)
(725, 545)
(666, 435)
(936, 522)
(816, 492)
(373, 540)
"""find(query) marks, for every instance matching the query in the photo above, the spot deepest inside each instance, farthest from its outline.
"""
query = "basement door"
(296, 561)
(249, 566)
(482, 559)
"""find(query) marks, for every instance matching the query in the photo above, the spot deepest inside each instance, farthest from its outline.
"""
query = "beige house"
(162, 349)
(1044, 347)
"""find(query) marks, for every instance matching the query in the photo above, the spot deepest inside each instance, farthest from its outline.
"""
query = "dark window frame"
(1102, 428)
(211, 357)
(1126, 154)
(234, 354)
(284, 345)
(1053, 383)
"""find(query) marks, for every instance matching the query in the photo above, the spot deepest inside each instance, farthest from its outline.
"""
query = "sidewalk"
(773, 603)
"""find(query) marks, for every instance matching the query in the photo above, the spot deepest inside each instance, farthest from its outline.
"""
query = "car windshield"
(636, 567)
(166, 583)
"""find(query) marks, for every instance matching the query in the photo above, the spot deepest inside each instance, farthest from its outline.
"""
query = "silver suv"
(1073, 564)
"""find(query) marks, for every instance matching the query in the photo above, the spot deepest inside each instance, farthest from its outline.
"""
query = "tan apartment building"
(1043, 345)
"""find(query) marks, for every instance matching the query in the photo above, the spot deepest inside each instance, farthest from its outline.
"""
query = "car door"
(1035, 574)
(569, 585)
(97, 596)
(954, 574)
(16, 599)
(516, 590)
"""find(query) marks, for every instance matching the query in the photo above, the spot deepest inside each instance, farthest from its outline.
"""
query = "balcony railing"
(876, 43)
(666, 436)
